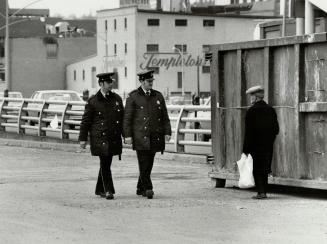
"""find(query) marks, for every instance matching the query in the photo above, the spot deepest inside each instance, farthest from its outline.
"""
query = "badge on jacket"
(158, 102)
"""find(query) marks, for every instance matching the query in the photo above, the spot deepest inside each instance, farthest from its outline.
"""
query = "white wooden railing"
(190, 124)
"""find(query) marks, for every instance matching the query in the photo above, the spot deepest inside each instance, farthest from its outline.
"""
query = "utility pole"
(7, 51)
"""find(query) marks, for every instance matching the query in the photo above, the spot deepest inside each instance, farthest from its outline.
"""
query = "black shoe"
(260, 196)
(109, 196)
(139, 192)
(149, 194)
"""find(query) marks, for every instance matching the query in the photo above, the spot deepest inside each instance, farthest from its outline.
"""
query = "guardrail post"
(63, 118)
(2, 104)
(42, 124)
(180, 136)
(20, 114)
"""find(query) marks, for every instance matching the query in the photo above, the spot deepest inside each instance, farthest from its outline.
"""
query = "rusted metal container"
(293, 71)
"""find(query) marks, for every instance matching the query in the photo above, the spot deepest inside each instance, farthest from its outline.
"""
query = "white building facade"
(130, 40)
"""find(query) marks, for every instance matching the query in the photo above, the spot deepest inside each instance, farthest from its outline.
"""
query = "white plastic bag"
(54, 123)
(245, 168)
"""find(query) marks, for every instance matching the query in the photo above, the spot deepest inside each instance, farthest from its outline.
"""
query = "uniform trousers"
(145, 160)
(105, 183)
(261, 182)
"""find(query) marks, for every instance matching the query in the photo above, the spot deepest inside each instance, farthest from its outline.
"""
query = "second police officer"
(146, 126)
(102, 118)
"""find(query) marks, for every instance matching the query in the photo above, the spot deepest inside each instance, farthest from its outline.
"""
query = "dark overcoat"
(146, 120)
(103, 119)
(261, 128)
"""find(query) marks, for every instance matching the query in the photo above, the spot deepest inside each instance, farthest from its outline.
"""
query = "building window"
(153, 22)
(205, 69)
(125, 48)
(52, 50)
(155, 69)
(116, 78)
(94, 79)
(181, 47)
(115, 49)
(106, 25)
(74, 75)
(125, 71)
(179, 79)
(205, 48)
(83, 74)
(115, 24)
(180, 22)
(208, 22)
(152, 48)
(125, 23)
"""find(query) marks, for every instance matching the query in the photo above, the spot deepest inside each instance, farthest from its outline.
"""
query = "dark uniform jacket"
(103, 118)
(261, 128)
(146, 120)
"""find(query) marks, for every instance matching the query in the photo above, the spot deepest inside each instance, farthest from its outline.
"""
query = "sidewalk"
(47, 196)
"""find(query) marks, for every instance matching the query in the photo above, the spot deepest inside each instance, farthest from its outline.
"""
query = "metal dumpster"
(293, 71)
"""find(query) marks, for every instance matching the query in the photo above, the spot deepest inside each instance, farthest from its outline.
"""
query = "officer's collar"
(144, 91)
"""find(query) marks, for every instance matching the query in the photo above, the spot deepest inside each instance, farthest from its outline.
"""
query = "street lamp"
(181, 54)
(7, 52)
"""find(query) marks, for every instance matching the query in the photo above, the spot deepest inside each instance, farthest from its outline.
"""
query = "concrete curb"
(74, 147)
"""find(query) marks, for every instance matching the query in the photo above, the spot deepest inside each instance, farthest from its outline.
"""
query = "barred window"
(180, 22)
(152, 48)
(208, 22)
(52, 50)
(153, 22)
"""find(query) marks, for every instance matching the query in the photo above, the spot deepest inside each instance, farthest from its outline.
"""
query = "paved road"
(47, 197)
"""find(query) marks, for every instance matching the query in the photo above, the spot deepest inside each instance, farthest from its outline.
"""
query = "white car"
(56, 95)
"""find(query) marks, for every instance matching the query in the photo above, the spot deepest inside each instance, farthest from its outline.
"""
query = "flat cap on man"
(106, 76)
(145, 75)
(254, 89)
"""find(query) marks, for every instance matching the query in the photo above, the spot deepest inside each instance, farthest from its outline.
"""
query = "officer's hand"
(167, 137)
(128, 140)
(82, 144)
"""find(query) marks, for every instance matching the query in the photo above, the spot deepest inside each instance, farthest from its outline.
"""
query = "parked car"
(56, 95)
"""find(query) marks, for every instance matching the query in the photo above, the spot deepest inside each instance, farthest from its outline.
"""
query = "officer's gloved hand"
(167, 137)
(82, 144)
(128, 140)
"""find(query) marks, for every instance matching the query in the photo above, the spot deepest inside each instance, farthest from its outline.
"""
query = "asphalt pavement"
(47, 196)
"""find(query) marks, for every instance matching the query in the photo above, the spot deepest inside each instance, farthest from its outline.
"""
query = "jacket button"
(158, 139)
(117, 122)
(141, 107)
(99, 112)
(144, 118)
(103, 143)
(145, 138)
(159, 119)
(118, 110)
(145, 127)
(159, 107)
(102, 123)
(104, 133)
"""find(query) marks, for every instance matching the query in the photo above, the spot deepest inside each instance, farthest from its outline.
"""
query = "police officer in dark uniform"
(103, 118)
(261, 128)
(146, 126)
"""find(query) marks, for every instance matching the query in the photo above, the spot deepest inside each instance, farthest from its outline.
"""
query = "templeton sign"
(154, 60)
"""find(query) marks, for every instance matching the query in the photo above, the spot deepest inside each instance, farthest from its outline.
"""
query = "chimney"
(159, 6)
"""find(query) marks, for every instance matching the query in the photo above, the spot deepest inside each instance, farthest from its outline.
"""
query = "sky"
(67, 7)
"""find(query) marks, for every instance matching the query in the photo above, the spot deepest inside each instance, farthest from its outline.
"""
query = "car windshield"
(60, 96)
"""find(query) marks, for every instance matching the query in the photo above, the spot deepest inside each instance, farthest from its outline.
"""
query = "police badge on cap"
(106, 77)
(146, 75)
